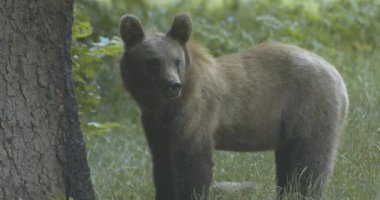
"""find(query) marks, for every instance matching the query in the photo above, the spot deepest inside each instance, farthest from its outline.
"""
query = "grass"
(121, 166)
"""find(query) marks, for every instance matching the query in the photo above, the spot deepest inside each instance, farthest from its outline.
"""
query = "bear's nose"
(174, 86)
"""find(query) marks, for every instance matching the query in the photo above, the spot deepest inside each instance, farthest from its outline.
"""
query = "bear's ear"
(131, 30)
(181, 28)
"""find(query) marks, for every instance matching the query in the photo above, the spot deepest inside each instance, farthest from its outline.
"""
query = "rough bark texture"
(42, 153)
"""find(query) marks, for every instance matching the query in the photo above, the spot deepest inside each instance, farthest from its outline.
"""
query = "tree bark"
(42, 153)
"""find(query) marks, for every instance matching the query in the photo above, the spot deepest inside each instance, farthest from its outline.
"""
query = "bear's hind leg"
(282, 170)
(303, 167)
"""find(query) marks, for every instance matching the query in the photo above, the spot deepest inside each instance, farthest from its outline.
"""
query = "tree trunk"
(42, 153)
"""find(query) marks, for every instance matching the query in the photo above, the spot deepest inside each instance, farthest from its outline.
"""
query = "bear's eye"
(153, 65)
(177, 62)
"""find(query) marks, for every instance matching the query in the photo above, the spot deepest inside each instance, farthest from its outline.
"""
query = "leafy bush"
(88, 57)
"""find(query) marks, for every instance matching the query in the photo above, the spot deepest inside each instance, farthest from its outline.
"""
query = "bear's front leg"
(192, 166)
(159, 145)
(163, 177)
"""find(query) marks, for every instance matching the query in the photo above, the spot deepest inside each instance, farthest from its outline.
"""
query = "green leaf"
(81, 29)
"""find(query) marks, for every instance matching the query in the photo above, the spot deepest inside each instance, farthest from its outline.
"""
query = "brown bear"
(268, 97)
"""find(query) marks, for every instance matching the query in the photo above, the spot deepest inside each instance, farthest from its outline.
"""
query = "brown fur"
(269, 97)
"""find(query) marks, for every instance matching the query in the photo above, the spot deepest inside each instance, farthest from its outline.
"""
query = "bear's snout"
(173, 89)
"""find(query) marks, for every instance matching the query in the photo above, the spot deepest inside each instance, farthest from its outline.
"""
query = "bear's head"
(155, 65)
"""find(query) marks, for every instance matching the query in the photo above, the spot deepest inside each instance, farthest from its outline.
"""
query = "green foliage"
(87, 57)
(345, 32)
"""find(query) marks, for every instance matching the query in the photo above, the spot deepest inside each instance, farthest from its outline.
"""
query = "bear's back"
(268, 83)
(277, 68)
